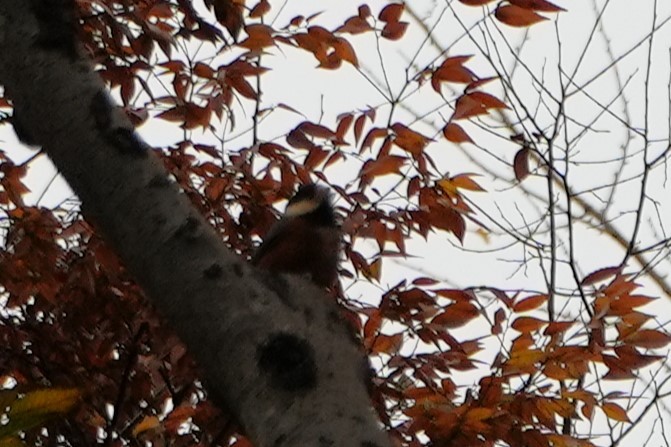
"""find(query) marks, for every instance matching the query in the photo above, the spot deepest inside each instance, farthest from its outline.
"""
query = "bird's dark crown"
(312, 202)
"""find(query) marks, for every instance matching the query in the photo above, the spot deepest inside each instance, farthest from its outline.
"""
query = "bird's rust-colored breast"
(303, 249)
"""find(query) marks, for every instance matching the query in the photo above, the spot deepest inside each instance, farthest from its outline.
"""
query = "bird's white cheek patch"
(300, 208)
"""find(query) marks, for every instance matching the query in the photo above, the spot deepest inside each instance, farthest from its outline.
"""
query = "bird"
(306, 240)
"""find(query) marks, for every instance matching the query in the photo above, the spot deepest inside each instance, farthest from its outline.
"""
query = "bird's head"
(312, 202)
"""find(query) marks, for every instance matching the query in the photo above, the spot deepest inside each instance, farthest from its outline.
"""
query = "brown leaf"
(456, 134)
(408, 139)
(648, 338)
(354, 25)
(475, 2)
(600, 275)
(229, 14)
(557, 327)
(521, 164)
(530, 303)
(344, 123)
(456, 315)
(260, 9)
(297, 139)
(527, 324)
(373, 134)
(518, 17)
(391, 13)
(343, 49)
(316, 130)
(615, 412)
(394, 30)
(387, 344)
(388, 164)
(537, 5)
(259, 36)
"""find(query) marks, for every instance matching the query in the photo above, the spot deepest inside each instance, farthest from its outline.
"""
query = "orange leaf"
(615, 412)
(388, 164)
(373, 325)
(518, 17)
(530, 303)
(455, 133)
(456, 315)
(464, 181)
(387, 344)
(527, 324)
(147, 423)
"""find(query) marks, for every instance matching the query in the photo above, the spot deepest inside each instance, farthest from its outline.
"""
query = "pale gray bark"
(273, 350)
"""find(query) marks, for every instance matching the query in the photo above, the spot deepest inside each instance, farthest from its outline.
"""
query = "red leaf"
(373, 134)
(354, 25)
(530, 303)
(391, 13)
(456, 134)
(394, 30)
(475, 2)
(344, 123)
(408, 139)
(229, 14)
(600, 275)
(297, 139)
(557, 327)
(316, 130)
(358, 127)
(425, 281)
(518, 17)
(343, 49)
(537, 5)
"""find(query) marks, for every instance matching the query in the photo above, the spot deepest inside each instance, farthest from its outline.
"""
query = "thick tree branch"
(273, 350)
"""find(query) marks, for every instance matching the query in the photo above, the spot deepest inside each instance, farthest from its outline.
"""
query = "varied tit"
(306, 240)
